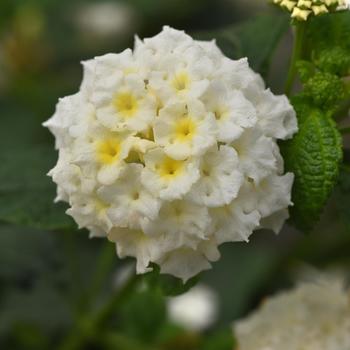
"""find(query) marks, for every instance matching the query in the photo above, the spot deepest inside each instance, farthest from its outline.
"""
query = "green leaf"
(167, 284)
(306, 70)
(143, 314)
(42, 306)
(220, 340)
(25, 253)
(26, 193)
(314, 156)
(329, 30)
(256, 39)
(26, 155)
(326, 90)
(334, 60)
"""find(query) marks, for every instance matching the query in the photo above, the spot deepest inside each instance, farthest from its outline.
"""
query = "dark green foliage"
(325, 32)
(220, 340)
(167, 284)
(255, 39)
(143, 315)
(26, 192)
(34, 305)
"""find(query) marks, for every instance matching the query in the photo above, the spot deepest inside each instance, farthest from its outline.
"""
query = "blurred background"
(50, 272)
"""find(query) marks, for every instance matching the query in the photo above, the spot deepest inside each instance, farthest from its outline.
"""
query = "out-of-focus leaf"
(314, 156)
(329, 30)
(242, 273)
(256, 39)
(32, 283)
(41, 305)
(26, 336)
(167, 284)
(143, 314)
(25, 254)
(220, 340)
(26, 193)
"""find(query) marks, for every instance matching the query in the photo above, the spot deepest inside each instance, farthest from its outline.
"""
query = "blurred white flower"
(345, 5)
(171, 150)
(105, 19)
(195, 310)
(314, 315)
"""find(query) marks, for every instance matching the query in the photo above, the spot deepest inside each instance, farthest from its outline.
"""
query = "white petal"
(184, 263)
(220, 178)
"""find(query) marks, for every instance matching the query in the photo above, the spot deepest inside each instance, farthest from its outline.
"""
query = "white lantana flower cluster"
(170, 150)
(312, 316)
(303, 9)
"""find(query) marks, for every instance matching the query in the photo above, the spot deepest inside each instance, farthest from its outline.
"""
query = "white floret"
(169, 178)
(182, 219)
(130, 202)
(220, 178)
(185, 129)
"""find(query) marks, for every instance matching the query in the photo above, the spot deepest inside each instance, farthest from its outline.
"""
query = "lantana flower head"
(170, 150)
(302, 9)
(314, 315)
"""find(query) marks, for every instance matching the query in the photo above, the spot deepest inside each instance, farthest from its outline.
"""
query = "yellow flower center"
(220, 113)
(100, 206)
(170, 168)
(126, 104)
(185, 129)
(108, 151)
(181, 81)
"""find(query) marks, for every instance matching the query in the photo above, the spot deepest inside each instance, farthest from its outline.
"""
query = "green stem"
(119, 341)
(90, 325)
(103, 268)
(345, 131)
(343, 111)
(296, 55)
(70, 244)
(107, 311)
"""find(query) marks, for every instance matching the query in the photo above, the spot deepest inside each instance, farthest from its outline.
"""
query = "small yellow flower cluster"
(302, 9)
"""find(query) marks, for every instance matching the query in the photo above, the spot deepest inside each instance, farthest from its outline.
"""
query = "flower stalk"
(90, 325)
(300, 29)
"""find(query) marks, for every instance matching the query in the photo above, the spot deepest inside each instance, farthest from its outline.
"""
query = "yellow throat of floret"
(126, 104)
(170, 168)
(181, 81)
(108, 151)
(185, 129)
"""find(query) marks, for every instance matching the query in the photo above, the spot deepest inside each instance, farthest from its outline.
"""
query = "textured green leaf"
(334, 60)
(326, 90)
(256, 39)
(314, 156)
